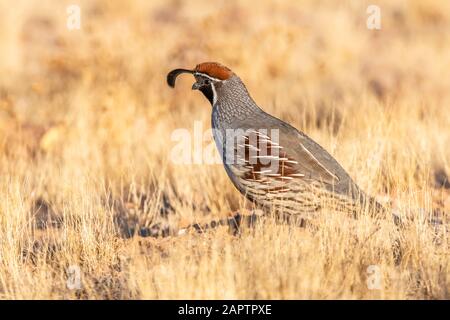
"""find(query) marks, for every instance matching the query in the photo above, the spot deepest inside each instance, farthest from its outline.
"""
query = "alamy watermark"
(73, 281)
(374, 277)
(373, 21)
(73, 21)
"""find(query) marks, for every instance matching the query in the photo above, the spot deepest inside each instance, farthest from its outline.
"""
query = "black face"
(204, 85)
(208, 93)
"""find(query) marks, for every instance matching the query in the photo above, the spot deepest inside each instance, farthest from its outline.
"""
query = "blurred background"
(95, 100)
(86, 115)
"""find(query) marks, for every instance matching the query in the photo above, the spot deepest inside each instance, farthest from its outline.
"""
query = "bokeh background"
(86, 120)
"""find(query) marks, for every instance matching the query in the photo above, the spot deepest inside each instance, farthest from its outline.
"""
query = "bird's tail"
(378, 210)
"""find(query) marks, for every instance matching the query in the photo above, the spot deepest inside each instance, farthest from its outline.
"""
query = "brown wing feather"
(293, 185)
(302, 165)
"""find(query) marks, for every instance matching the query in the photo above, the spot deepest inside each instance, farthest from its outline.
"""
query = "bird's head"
(208, 75)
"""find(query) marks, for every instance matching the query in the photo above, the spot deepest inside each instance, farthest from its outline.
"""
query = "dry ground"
(85, 140)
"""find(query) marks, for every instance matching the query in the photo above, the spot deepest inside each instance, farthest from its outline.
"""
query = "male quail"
(273, 164)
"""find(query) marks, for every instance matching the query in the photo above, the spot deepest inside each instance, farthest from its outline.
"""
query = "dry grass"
(85, 125)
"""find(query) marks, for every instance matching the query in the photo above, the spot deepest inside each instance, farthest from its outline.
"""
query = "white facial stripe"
(214, 93)
(206, 76)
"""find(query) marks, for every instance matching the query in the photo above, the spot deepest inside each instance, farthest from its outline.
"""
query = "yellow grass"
(86, 120)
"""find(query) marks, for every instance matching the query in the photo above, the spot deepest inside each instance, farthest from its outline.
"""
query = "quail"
(274, 165)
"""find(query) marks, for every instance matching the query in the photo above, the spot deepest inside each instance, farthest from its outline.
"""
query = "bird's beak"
(172, 76)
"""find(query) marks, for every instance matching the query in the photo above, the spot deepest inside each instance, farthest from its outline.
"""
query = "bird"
(277, 167)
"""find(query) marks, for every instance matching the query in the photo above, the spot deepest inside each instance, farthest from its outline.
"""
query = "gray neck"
(233, 101)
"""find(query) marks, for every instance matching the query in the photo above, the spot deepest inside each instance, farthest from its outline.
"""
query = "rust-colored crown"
(214, 69)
